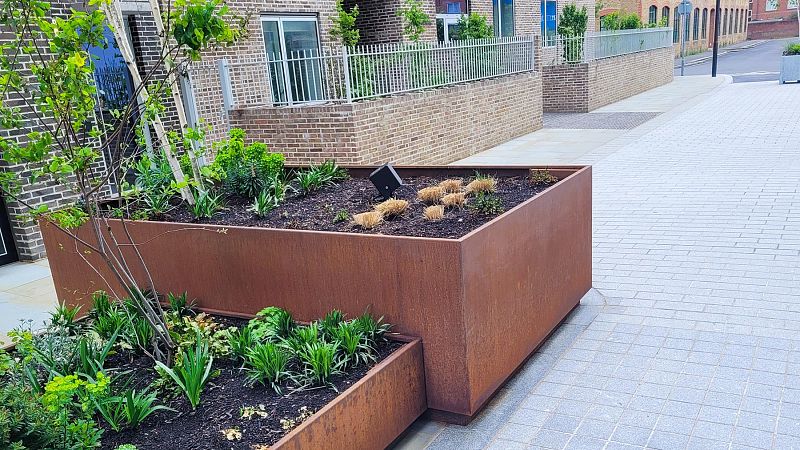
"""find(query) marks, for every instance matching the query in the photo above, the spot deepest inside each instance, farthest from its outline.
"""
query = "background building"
(699, 28)
(773, 19)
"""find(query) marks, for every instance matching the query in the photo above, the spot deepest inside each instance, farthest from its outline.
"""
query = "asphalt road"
(760, 63)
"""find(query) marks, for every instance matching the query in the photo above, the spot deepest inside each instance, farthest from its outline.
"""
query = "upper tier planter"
(481, 303)
(790, 68)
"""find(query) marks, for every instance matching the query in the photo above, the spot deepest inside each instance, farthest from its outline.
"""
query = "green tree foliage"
(622, 21)
(474, 26)
(67, 145)
(415, 20)
(344, 28)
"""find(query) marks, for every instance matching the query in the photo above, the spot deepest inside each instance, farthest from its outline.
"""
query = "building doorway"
(8, 251)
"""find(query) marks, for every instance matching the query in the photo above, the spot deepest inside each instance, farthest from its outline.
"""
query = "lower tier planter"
(373, 412)
(481, 303)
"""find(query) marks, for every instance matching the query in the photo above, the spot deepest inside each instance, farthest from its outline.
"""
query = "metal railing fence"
(340, 74)
(594, 46)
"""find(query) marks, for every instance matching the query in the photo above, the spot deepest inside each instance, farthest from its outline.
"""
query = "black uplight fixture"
(386, 180)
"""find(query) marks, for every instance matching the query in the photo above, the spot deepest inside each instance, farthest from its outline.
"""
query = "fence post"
(533, 52)
(346, 68)
(225, 81)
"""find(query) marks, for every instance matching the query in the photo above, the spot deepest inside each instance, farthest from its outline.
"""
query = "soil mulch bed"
(356, 195)
(220, 407)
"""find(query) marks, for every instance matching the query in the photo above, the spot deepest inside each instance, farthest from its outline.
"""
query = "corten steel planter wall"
(481, 304)
(371, 413)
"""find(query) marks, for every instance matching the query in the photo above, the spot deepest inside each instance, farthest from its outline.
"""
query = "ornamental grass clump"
(539, 177)
(482, 184)
(434, 213)
(452, 185)
(430, 194)
(368, 220)
(454, 200)
(392, 207)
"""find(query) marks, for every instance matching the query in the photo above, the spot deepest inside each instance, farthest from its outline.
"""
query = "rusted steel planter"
(481, 303)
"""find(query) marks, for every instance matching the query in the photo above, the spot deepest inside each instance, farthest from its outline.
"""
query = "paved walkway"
(690, 340)
(26, 293)
(569, 138)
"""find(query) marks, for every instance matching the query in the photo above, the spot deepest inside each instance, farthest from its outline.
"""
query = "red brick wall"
(784, 27)
(378, 21)
(438, 126)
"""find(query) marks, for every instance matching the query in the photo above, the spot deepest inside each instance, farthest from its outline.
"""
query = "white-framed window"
(549, 22)
(772, 5)
(791, 4)
(293, 50)
(503, 17)
(447, 27)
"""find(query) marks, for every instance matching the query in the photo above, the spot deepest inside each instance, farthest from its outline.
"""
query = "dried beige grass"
(368, 220)
(482, 185)
(392, 207)
(430, 194)
(457, 199)
(452, 185)
(434, 213)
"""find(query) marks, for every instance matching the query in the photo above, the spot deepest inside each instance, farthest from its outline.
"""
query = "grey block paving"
(690, 339)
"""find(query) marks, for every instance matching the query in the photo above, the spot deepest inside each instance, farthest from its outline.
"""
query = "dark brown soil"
(220, 408)
(318, 210)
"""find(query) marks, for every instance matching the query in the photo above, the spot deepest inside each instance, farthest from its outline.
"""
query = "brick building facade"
(698, 29)
(773, 19)
(23, 234)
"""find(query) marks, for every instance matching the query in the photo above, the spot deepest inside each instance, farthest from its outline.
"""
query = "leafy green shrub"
(622, 21)
(179, 304)
(474, 26)
(244, 169)
(572, 26)
(64, 316)
(24, 422)
(206, 205)
(316, 177)
(792, 49)
(272, 323)
(266, 364)
(194, 371)
(486, 202)
(343, 25)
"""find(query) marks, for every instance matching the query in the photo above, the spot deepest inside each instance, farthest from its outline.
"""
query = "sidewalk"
(26, 293)
(690, 338)
(567, 138)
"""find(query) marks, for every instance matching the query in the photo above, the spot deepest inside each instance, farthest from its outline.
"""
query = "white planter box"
(790, 68)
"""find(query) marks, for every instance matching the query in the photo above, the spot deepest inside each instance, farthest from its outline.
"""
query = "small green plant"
(341, 216)
(302, 336)
(263, 204)
(539, 177)
(64, 316)
(331, 171)
(194, 371)
(240, 341)
(206, 205)
(266, 364)
(319, 362)
(373, 329)
(354, 346)
(113, 321)
(92, 356)
(414, 19)
(179, 304)
(128, 410)
(792, 49)
(486, 202)
(474, 26)
(331, 321)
